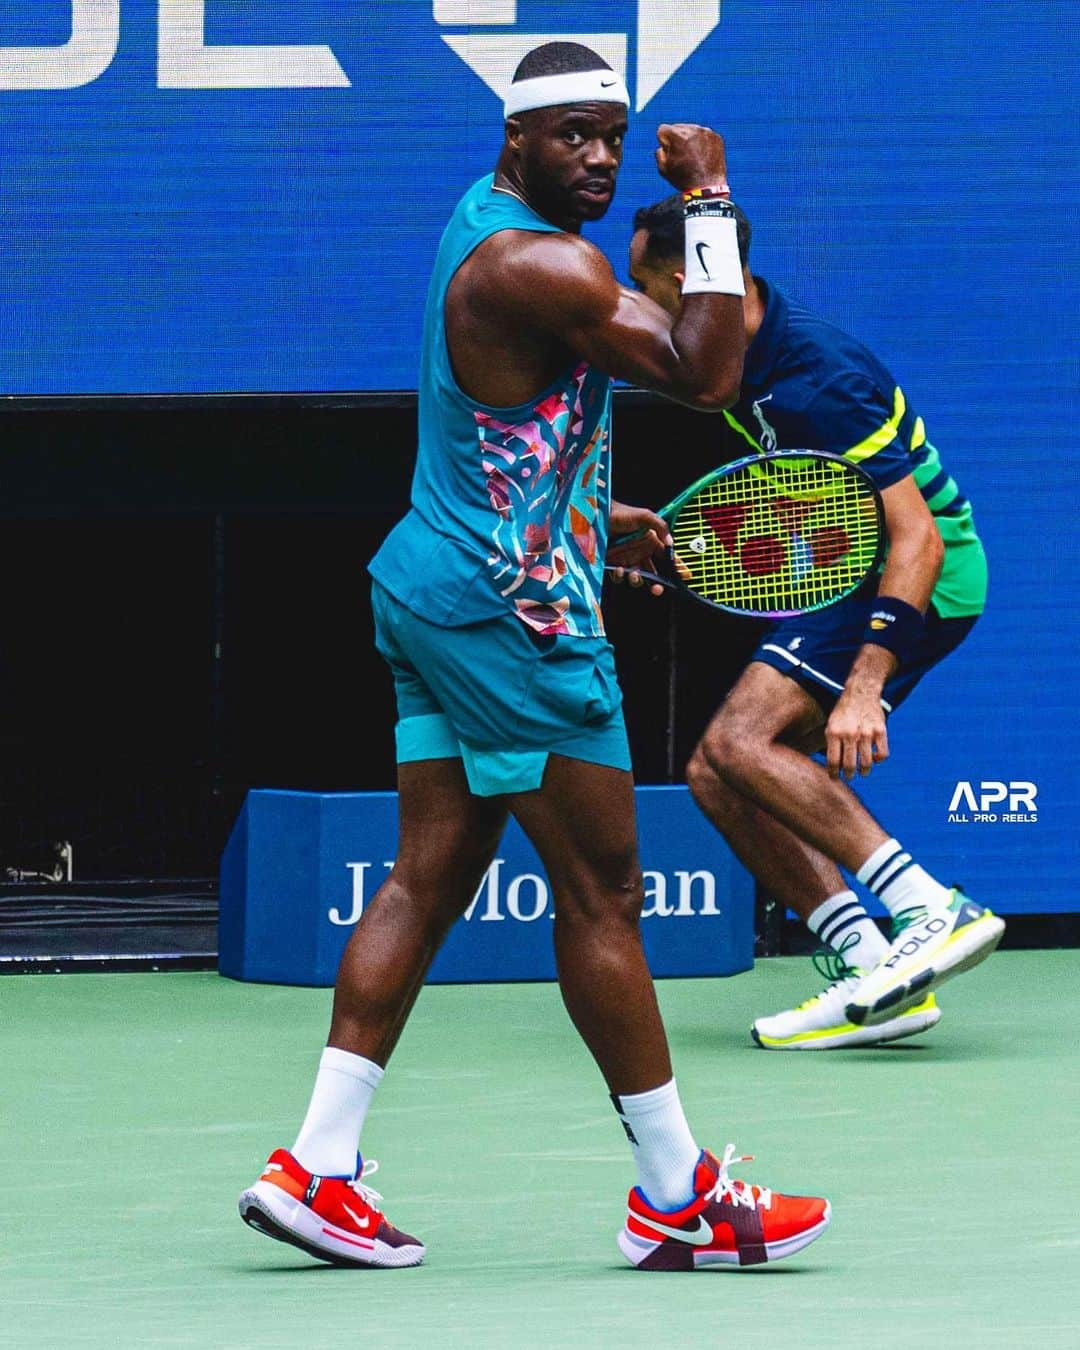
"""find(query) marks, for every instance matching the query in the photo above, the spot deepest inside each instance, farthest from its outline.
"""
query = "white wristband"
(712, 256)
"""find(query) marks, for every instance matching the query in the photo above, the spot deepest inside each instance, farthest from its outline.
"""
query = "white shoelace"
(368, 1194)
(739, 1192)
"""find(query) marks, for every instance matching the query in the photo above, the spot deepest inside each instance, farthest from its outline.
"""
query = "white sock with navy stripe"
(901, 885)
(842, 924)
(662, 1144)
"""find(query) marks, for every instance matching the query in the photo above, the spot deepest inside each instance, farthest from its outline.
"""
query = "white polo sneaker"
(822, 1023)
(923, 956)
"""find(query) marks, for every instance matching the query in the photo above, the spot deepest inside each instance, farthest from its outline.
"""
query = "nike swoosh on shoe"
(696, 1238)
(360, 1223)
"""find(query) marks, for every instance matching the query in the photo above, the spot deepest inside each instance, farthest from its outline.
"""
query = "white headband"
(580, 86)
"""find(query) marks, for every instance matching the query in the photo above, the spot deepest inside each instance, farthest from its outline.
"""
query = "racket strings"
(779, 538)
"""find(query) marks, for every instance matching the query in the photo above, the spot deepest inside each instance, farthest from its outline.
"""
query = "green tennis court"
(137, 1106)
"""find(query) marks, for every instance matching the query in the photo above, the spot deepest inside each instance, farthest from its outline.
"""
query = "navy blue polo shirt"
(808, 385)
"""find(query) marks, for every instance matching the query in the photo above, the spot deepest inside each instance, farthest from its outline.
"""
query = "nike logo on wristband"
(699, 246)
(608, 84)
(698, 1237)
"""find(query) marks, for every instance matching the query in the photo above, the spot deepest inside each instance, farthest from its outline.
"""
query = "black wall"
(185, 615)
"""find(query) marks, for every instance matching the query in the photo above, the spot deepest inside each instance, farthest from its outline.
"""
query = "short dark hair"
(663, 224)
(558, 58)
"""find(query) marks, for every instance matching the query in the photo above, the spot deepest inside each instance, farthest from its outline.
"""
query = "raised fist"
(690, 156)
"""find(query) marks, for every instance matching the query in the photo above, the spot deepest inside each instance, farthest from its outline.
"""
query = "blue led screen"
(204, 196)
(908, 167)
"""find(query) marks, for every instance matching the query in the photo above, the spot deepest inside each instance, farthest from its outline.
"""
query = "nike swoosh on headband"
(603, 85)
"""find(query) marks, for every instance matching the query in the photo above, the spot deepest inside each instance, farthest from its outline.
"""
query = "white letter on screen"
(186, 62)
(95, 36)
(475, 11)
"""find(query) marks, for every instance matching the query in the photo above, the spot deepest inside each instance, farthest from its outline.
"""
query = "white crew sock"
(901, 885)
(842, 924)
(662, 1144)
(328, 1138)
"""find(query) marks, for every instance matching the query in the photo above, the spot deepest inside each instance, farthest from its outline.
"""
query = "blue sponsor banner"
(299, 868)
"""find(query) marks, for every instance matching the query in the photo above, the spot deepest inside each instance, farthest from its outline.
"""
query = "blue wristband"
(895, 625)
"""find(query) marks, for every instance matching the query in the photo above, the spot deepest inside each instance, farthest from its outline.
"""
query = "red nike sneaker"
(331, 1218)
(727, 1222)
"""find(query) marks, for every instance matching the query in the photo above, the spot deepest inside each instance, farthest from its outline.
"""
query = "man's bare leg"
(447, 839)
(308, 1195)
(748, 747)
(583, 825)
(759, 744)
(798, 875)
(806, 823)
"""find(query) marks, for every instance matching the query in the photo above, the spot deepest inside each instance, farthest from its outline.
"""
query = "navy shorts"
(817, 650)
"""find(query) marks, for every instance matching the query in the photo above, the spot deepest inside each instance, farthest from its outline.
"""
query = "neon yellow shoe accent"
(768, 1031)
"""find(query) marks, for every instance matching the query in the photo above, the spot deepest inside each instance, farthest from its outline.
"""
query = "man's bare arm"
(855, 735)
(563, 286)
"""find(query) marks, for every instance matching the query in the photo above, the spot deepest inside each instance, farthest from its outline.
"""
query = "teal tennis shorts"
(499, 696)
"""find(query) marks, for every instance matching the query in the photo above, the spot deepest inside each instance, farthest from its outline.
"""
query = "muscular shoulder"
(551, 280)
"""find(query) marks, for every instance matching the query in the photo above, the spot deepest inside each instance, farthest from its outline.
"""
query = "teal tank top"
(509, 506)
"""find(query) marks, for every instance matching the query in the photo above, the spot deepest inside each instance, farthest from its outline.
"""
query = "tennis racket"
(775, 534)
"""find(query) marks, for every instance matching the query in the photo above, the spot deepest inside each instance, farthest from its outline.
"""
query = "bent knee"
(718, 798)
(701, 777)
(728, 751)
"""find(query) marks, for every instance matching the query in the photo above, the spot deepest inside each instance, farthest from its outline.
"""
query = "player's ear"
(514, 134)
(680, 277)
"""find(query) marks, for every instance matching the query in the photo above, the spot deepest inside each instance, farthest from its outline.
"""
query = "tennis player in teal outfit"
(486, 599)
(827, 681)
